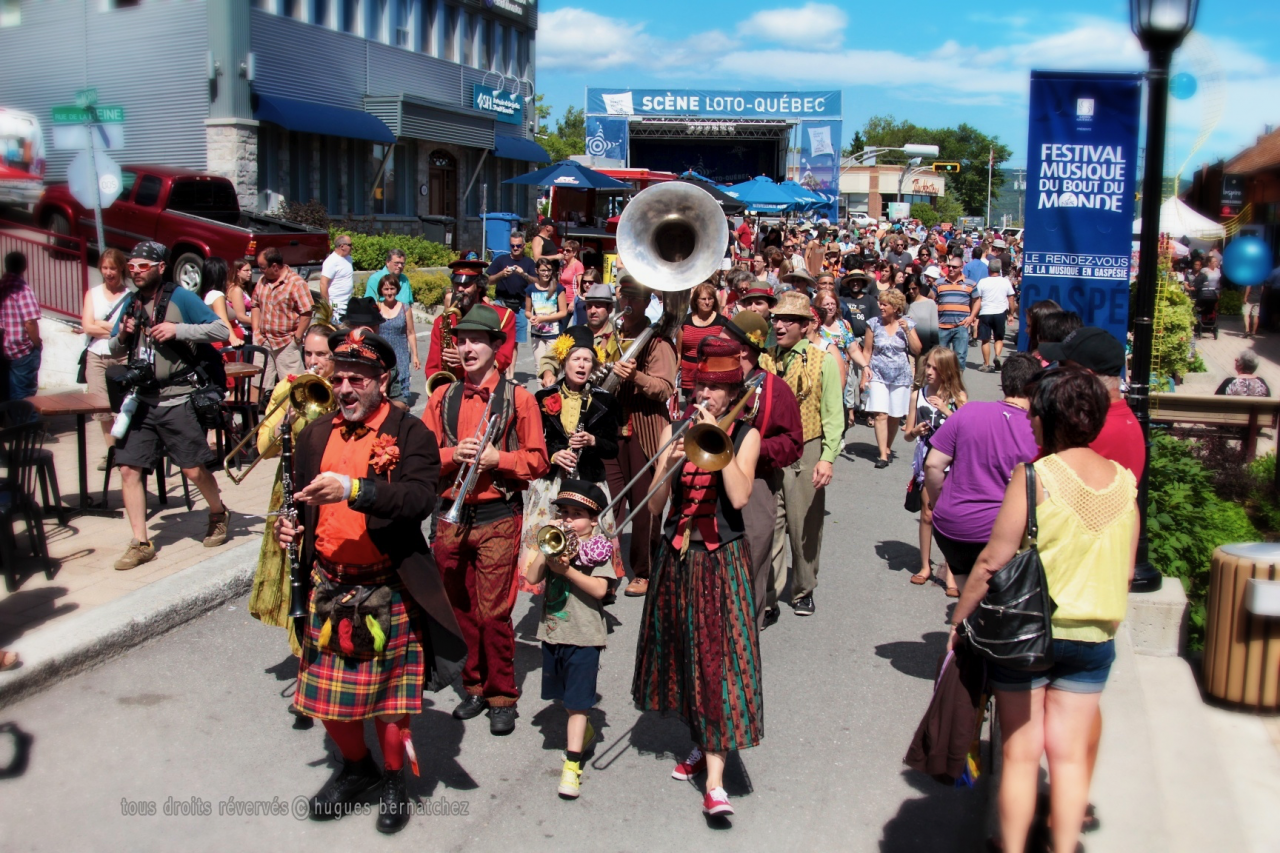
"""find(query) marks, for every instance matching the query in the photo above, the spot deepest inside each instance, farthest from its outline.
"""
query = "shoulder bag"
(1011, 624)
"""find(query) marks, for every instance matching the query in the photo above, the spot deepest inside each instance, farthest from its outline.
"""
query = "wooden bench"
(1237, 417)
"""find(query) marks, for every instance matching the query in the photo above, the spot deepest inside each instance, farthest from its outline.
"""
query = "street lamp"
(1160, 26)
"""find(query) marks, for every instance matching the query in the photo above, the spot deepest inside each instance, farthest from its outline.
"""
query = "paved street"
(199, 716)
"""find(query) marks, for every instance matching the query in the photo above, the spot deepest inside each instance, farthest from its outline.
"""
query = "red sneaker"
(716, 803)
(691, 766)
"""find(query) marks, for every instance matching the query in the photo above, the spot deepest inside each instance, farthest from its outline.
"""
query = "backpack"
(206, 368)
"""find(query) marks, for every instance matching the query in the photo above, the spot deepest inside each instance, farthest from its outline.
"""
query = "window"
(299, 189)
(395, 194)
(351, 17)
(430, 27)
(467, 35)
(450, 34)
(290, 8)
(320, 13)
(357, 194)
(484, 56)
(10, 13)
(148, 191)
(522, 55)
(125, 4)
(403, 23)
(487, 184)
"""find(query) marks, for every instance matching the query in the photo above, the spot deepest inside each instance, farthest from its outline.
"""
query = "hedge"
(369, 251)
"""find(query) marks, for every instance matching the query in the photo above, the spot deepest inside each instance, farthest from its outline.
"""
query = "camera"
(136, 374)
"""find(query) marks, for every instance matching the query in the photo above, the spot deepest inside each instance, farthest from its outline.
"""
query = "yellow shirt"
(1086, 543)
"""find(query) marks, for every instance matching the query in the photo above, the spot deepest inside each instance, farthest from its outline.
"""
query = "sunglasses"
(353, 381)
(139, 266)
(517, 245)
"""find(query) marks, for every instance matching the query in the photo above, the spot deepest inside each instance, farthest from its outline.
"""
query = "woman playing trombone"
(698, 654)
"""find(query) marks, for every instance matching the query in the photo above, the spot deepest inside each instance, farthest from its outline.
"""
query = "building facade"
(406, 115)
(870, 189)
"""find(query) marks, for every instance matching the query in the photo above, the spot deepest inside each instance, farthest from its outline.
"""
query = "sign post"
(93, 178)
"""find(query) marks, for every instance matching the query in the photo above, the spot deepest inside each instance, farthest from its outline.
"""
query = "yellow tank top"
(1086, 538)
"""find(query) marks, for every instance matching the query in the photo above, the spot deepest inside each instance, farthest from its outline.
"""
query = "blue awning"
(310, 117)
(519, 148)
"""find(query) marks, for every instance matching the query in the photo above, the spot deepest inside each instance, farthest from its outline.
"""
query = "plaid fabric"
(281, 304)
(698, 654)
(17, 308)
(335, 687)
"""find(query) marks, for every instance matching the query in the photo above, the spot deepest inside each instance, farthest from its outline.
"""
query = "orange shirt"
(341, 531)
(518, 466)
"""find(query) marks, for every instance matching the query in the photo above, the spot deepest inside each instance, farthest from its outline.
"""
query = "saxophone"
(447, 322)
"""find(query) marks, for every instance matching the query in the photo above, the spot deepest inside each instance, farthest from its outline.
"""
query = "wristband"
(355, 491)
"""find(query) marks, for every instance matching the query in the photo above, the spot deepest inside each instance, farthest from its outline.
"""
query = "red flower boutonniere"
(553, 404)
(291, 377)
(385, 455)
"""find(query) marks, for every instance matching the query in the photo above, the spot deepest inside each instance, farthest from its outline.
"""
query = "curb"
(77, 643)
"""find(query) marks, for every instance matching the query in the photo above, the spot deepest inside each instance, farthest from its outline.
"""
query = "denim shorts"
(569, 674)
(1078, 667)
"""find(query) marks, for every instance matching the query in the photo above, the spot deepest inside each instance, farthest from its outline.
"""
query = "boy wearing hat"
(647, 383)
(777, 418)
(478, 555)
(572, 628)
(469, 283)
(598, 300)
(814, 377)
(367, 479)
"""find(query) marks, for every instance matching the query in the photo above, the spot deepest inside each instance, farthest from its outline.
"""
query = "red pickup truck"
(196, 215)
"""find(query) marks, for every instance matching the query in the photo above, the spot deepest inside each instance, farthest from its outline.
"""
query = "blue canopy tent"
(569, 175)
(807, 199)
(762, 196)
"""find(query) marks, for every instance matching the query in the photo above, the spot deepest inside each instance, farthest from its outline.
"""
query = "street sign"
(69, 114)
(77, 137)
(81, 175)
(947, 168)
(86, 97)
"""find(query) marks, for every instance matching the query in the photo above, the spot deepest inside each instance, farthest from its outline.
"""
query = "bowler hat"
(363, 311)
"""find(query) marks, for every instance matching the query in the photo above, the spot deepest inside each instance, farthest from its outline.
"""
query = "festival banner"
(820, 162)
(1081, 174)
(607, 137)
(713, 104)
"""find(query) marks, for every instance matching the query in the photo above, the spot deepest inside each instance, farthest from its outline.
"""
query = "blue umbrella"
(689, 173)
(762, 194)
(808, 199)
(569, 175)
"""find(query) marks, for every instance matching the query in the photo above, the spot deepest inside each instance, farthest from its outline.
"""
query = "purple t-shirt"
(985, 441)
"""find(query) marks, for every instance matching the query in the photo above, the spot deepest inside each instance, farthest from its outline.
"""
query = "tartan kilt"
(698, 653)
(335, 687)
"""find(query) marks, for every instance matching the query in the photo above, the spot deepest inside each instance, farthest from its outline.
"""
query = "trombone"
(310, 396)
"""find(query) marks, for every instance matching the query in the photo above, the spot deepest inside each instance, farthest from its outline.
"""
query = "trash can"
(497, 231)
(438, 229)
(1242, 626)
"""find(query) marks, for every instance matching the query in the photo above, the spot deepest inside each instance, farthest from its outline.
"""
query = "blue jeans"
(24, 375)
(956, 340)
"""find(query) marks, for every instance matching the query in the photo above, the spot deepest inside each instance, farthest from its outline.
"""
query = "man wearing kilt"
(647, 383)
(379, 627)
(477, 556)
(698, 654)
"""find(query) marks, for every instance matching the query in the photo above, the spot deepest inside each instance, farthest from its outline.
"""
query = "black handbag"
(1011, 624)
(914, 500)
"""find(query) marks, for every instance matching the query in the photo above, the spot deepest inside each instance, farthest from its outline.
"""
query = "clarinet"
(297, 597)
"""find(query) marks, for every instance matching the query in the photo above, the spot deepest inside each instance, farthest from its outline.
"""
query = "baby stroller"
(1207, 312)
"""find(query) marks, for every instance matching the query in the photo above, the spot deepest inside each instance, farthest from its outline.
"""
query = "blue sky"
(934, 62)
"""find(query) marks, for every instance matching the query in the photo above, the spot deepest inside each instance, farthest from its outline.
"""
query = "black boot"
(472, 706)
(345, 788)
(393, 804)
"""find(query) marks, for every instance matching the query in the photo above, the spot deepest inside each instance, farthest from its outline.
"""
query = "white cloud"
(581, 40)
(811, 23)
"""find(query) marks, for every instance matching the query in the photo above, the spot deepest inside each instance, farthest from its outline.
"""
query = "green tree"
(924, 211)
(569, 136)
(962, 144)
(948, 208)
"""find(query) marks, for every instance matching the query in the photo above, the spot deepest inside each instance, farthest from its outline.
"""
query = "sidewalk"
(86, 550)
(1220, 357)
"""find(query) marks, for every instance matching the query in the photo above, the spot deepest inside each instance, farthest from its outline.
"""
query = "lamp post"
(1160, 26)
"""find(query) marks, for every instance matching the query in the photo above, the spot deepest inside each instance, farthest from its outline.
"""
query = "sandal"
(9, 660)
(920, 580)
(953, 592)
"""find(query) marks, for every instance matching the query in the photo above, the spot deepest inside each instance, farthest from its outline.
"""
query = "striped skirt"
(333, 686)
(698, 654)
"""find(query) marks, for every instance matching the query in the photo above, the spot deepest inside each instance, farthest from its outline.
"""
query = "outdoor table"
(240, 372)
(81, 405)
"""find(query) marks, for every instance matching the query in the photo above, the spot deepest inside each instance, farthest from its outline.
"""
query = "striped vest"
(804, 375)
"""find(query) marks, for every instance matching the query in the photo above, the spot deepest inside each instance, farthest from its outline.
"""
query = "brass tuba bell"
(672, 236)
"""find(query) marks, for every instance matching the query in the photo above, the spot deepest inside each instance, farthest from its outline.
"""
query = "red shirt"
(520, 466)
(1121, 439)
(745, 237)
(341, 531)
(506, 350)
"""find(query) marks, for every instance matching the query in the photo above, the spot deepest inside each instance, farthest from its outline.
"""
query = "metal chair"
(17, 497)
(15, 412)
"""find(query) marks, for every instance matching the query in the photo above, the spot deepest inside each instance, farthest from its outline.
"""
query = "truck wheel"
(187, 270)
(59, 224)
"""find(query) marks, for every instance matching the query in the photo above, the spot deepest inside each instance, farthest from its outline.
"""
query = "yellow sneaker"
(570, 780)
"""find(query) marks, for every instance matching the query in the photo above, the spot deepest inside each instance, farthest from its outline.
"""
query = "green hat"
(482, 318)
(749, 328)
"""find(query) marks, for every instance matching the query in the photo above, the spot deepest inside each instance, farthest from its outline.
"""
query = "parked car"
(21, 159)
(861, 220)
(196, 215)
(1012, 233)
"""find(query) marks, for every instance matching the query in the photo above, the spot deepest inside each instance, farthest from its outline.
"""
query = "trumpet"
(310, 396)
(468, 472)
(555, 540)
(446, 376)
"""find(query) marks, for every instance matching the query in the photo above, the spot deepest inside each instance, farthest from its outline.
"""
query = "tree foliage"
(963, 144)
(924, 211)
(569, 136)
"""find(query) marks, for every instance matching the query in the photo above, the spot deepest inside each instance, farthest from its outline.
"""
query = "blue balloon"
(1182, 86)
(1247, 260)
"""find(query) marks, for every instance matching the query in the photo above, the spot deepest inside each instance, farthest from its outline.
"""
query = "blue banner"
(1081, 172)
(820, 162)
(607, 137)
(713, 104)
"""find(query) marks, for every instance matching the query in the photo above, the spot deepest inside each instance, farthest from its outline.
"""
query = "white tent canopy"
(1178, 221)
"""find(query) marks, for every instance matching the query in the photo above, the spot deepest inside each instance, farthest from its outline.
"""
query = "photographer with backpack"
(167, 393)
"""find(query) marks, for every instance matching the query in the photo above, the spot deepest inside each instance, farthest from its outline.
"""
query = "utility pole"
(991, 160)
(1020, 185)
